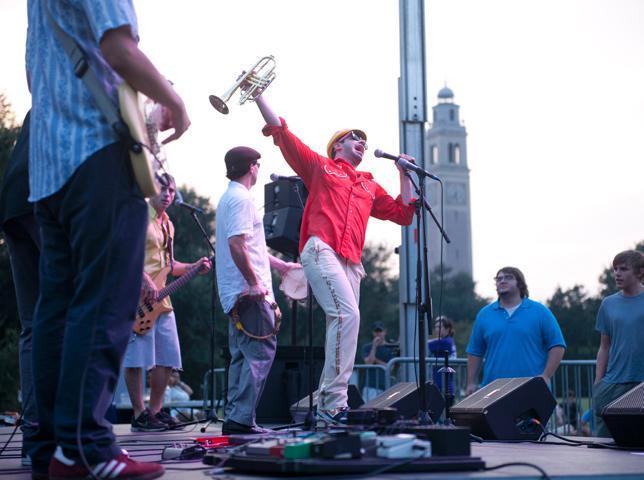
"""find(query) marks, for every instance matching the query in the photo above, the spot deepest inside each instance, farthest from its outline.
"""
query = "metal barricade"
(218, 390)
(572, 387)
(371, 380)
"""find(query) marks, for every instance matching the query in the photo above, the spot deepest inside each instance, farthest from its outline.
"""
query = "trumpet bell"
(219, 104)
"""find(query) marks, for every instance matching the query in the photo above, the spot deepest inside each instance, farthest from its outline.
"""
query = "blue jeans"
(250, 362)
(24, 254)
(92, 238)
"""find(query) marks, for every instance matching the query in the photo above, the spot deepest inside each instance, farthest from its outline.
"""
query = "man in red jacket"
(341, 200)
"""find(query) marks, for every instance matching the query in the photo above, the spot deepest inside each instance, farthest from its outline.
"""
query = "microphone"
(406, 164)
(275, 177)
(178, 200)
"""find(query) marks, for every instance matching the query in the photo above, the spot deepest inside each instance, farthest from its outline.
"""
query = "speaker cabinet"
(285, 194)
(301, 408)
(404, 397)
(287, 381)
(502, 410)
(624, 418)
(282, 229)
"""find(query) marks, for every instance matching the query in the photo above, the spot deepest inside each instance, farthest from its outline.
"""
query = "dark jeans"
(92, 235)
(24, 253)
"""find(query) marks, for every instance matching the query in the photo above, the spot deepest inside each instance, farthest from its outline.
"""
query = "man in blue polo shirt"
(516, 336)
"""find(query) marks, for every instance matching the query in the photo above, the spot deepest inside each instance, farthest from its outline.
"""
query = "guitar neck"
(179, 282)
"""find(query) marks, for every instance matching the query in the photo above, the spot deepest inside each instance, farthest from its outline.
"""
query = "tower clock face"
(456, 194)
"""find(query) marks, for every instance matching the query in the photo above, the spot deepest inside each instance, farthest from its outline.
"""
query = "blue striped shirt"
(66, 125)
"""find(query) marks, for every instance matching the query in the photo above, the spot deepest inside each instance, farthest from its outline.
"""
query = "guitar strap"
(83, 70)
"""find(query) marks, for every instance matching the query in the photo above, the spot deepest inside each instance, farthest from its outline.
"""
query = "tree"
(455, 297)
(192, 303)
(575, 311)
(378, 293)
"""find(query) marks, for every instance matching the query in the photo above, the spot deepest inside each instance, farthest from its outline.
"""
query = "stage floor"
(559, 461)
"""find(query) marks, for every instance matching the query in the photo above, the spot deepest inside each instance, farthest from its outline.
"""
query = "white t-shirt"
(236, 215)
(511, 310)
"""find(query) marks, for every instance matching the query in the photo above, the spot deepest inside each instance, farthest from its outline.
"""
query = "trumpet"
(259, 76)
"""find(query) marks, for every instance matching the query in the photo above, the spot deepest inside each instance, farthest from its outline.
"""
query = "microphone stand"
(211, 413)
(309, 420)
(424, 308)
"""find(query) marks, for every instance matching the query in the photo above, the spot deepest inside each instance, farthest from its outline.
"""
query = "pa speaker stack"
(284, 205)
(624, 418)
(504, 409)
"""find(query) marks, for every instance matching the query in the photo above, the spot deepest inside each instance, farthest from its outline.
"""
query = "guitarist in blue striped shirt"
(92, 220)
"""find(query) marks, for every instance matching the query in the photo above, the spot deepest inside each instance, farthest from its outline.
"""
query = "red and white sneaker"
(120, 467)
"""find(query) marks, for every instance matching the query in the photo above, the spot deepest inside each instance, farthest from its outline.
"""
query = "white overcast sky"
(551, 92)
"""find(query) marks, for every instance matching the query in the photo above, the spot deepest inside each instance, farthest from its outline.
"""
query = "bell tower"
(446, 157)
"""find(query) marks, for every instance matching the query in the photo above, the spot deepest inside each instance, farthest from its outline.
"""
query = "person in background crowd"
(516, 336)
(620, 321)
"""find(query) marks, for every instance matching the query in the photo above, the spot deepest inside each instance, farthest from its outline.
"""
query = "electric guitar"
(143, 117)
(147, 313)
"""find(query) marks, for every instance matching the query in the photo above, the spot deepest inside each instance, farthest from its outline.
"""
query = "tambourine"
(258, 328)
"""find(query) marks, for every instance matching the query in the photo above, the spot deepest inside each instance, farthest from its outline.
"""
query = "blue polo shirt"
(515, 346)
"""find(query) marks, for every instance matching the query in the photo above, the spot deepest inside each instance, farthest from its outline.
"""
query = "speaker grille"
(483, 398)
(632, 402)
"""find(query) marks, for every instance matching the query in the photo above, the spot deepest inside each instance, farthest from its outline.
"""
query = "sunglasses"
(355, 137)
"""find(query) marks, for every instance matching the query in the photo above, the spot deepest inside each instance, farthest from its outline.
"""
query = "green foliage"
(9, 131)
(193, 303)
(575, 311)
(378, 293)
(459, 301)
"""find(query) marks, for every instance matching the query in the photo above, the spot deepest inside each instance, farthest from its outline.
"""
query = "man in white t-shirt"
(245, 291)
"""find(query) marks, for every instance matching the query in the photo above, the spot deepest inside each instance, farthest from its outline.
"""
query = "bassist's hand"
(206, 266)
(149, 292)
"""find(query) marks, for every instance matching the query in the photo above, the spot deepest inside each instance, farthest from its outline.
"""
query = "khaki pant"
(335, 282)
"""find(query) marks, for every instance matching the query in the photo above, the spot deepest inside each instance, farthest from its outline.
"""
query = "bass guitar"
(148, 312)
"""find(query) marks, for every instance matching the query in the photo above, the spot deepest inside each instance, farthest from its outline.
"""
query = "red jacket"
(341, 198)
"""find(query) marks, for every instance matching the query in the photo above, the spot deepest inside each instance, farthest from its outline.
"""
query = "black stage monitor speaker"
(287, 381)
(284, 193)
(282, 229)
(284, 205)
(301, 408)
(624, 418)
(503, 409)
(404, 397)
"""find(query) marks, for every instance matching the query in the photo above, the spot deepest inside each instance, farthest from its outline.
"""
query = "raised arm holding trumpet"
(341, 199)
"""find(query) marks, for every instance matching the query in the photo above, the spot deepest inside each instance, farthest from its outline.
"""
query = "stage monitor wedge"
(300, 409)
(502, 410)
(404, 397)
(624, 418)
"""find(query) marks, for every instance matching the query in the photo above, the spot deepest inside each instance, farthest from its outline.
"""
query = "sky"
(551, 93)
